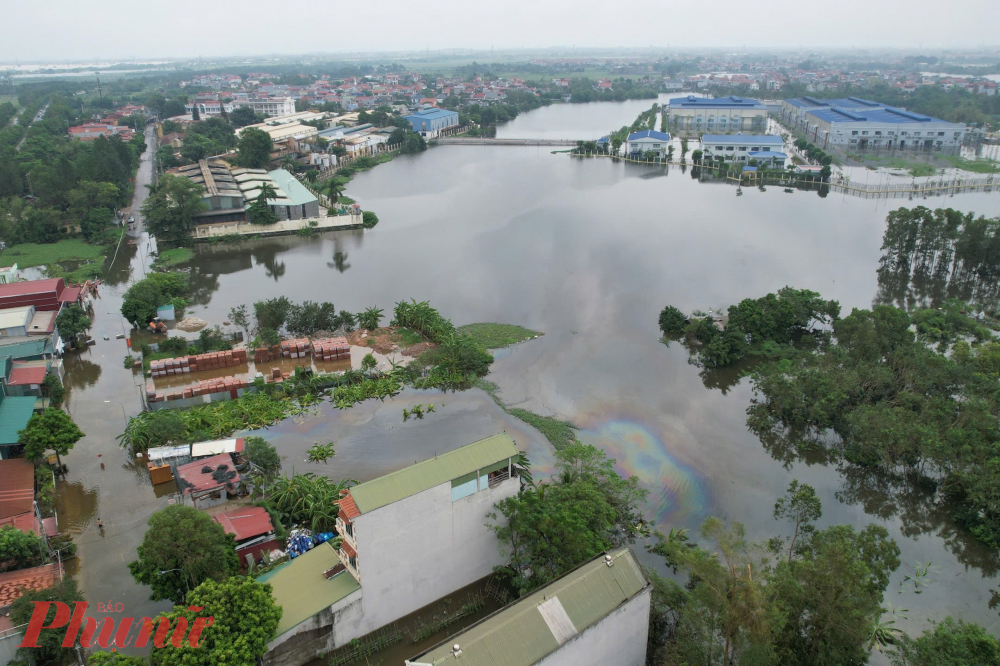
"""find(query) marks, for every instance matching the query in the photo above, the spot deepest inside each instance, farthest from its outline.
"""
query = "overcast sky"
(61, 30)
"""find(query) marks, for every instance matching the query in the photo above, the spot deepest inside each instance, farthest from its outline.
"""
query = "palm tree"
(312, 175)
(332, 190)
(289, 163)
(267, 191)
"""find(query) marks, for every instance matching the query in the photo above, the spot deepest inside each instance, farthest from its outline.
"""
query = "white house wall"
(326, 630)
(619, 638)
(419, 549)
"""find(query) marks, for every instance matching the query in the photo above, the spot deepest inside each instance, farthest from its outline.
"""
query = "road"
(103, 482)
(38, 116)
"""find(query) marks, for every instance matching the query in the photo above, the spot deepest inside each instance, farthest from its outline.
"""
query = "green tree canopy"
(245, 621)
(182, 548)
(262, 455)
(254, 148)
(171, 206)
(672, 321)
(949, 643)
(141, 300)
(52, 430)
(71, 322)
(50, 649)
(19, 550)
(587, 509)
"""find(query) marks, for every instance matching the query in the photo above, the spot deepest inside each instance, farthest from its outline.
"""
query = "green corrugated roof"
(300, 588)
(518, 635)
(292, 188)
(27, 347)
(417, 478)
(14, 415)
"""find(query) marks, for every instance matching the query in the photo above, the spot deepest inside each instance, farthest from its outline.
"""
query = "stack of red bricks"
(263, 355)
(185, 364)
(206, 387)
(298, 348)
(330, 349)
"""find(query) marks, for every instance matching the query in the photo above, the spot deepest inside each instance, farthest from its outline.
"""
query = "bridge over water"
(480, 141)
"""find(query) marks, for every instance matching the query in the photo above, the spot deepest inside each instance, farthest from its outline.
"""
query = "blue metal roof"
(431, 114)
(762, 139)
(731, 102)
(749, 168)
(649, 134)
(767, 153)
(856, 109)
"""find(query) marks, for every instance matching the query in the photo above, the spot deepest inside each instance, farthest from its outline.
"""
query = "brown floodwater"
(588, 252)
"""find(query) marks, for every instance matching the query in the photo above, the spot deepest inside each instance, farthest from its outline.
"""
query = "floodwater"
(587, 251)
(577, 122)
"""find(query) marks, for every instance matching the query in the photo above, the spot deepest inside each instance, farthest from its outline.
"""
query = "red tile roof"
(31, 287)
(348, 509)
(194, 480)
(26, 522)
(14, 583)
(245, 522)
(22, 376)
(17, 487)
(346, 547)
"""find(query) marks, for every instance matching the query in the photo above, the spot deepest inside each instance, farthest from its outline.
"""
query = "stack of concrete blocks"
(298, 348)
(187, 364)
(331, 349)
(263, 355)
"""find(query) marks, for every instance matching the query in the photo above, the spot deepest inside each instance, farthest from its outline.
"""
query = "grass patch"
(26, 255)
(915, 168)
(975, 166)
(409, 337)
(85, 259)
(346, 200)
(496, 336)
(173, 257)
(559, 433)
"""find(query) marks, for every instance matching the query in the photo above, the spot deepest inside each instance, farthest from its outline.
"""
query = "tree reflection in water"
(932, 256)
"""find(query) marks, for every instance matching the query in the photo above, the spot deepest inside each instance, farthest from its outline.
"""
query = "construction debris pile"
(186, 364)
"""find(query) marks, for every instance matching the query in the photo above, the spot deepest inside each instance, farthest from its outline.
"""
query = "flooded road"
(587, 251)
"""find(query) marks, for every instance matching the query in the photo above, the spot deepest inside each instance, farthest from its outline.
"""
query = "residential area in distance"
(495, 336)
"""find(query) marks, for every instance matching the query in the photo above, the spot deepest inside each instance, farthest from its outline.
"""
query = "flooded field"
(588, 252)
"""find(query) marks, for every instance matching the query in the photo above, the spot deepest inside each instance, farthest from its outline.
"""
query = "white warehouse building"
(739, 147)
(723, 114)
(853, 123)
(409, 538)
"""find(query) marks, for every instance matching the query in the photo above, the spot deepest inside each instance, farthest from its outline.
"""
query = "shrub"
(369, 219)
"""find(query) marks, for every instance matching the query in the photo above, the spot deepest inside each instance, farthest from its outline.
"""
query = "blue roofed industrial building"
(854, 123)
(429, 122)
(717, 114)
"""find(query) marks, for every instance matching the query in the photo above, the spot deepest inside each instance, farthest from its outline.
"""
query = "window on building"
(353, 561)
(864, 133)
(464, 486)
(718, 147)
(730, 148)
(916, 134)
(303, 210)
(350, 529)
(878, 133)
(755, 148)
(854, 133)
(891, 133)
(940, 133)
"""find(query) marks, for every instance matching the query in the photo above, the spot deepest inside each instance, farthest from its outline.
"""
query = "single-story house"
(209, 481)
(769, 158)
(14, 583)
(15, 412)
(247, 524)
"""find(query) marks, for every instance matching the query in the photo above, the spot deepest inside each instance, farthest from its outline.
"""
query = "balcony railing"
(496, 478)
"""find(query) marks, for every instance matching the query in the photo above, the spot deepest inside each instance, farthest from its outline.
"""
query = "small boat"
(789, 190)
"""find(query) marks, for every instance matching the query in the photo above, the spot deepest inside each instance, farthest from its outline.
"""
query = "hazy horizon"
(61, 31)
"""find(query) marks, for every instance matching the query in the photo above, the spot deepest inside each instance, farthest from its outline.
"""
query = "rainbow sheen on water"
(678, 496)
